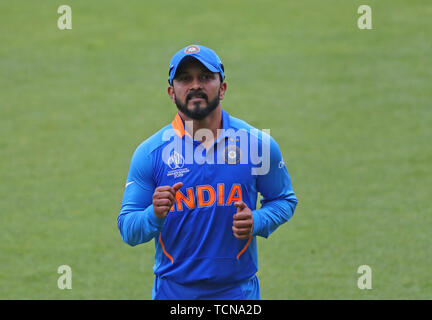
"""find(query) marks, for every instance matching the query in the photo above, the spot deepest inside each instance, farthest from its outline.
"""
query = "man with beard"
(202, 214)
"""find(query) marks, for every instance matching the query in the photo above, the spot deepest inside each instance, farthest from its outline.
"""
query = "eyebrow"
(203, 72)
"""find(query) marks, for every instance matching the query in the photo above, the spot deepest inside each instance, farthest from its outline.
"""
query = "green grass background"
(351, 110)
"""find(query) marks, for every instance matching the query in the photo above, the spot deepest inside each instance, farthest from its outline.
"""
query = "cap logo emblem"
(192, 49)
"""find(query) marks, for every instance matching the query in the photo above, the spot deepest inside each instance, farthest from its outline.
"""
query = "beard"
(198, 112)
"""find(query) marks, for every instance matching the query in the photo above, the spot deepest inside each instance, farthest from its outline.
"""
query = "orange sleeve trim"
(163, 249)
(244, 249)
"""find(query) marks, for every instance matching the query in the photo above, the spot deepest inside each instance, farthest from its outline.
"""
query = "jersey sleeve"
(137, 222)
(278, 198)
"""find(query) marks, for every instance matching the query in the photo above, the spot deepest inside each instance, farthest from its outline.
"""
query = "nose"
(196, 84)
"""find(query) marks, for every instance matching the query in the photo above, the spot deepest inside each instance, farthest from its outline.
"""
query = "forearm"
(139, 226)
(271, 215)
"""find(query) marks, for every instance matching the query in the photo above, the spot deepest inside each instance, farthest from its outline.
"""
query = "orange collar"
(178, 126)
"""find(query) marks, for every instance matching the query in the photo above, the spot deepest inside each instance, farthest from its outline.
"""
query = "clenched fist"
(163, 199)
(242, 221)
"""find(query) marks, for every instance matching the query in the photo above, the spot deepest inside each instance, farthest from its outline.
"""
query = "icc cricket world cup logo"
(176, 161)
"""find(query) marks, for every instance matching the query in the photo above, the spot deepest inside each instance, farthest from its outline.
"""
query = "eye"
(207, 76)
(183, 78)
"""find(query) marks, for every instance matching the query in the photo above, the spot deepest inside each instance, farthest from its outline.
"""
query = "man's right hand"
(163, 199)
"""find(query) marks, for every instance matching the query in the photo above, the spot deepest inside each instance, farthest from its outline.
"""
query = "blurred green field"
(351, 110)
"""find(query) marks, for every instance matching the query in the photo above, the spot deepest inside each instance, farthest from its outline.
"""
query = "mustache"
(196, 94)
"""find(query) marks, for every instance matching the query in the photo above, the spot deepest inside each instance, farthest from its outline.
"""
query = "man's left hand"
(243, 221)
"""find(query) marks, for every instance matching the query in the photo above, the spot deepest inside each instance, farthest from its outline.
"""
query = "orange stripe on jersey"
(245, 247)
(200, 195)
(235, 194)
(189, 201)
(163, 249)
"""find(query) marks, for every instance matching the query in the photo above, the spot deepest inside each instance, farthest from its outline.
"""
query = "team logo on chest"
(176, 163)
(232, 154)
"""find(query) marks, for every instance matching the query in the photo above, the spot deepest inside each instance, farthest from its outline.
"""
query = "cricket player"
(193, 186)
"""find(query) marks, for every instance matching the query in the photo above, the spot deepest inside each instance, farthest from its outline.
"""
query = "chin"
(198, 103)
(196, 106)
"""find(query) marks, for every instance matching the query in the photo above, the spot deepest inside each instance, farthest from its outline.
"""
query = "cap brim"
(206, 64)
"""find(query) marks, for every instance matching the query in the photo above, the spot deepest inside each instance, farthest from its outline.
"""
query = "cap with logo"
(206, 56)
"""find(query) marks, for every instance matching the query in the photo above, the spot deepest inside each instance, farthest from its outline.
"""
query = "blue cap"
(206, 56)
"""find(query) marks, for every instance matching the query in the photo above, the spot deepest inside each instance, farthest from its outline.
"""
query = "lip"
(196, 99)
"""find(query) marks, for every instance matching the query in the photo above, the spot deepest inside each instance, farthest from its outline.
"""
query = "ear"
(222, 91)
(171, 93)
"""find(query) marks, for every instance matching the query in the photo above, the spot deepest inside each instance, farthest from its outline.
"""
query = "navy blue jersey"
(195, 241)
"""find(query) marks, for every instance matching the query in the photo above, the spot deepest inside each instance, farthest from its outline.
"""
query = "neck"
(211, 122)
